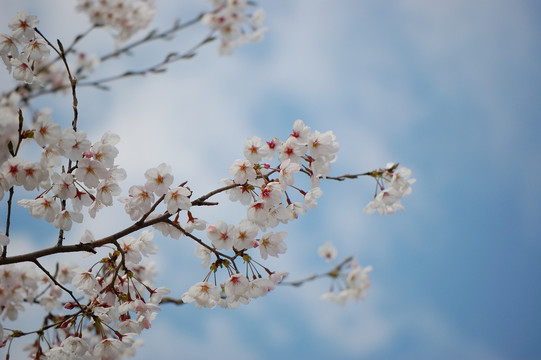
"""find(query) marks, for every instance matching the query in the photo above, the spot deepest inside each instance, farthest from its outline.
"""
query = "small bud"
(70, 305)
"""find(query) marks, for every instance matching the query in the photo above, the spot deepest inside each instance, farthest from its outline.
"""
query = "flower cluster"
(234, 24)
(394, 184)
(266, 190)
(23, 49)
(349, 280)
(125, 17)
(115, 310)
(91, 182)
(349, 286)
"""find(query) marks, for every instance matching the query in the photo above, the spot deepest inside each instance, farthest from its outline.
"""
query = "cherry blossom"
(178, 199)
(22, 26)
(90, 172)
(234, 24)
(242, 171)
(236, 290)
(204, 254)
(35, 50)
(159, 179)
(253, 149)
(22, 71)
(272, 244)
(327, 251)
(204, 294)
(221, 235)
(287, 172)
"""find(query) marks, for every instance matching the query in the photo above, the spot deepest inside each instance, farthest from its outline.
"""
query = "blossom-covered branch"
(111, 301)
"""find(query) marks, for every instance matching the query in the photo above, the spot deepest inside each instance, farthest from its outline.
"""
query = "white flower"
(159, 179)
(244, 235)
(204, 254)
(109, 349)
(35, 50)
(145, 244)
(106, 190)
(105, 153)
(292, 150)
(322, 144)
(12, 171)
(260, 287)
(236, 288)
(130, 246)
(221, 235)
(87, 237)
(277, 276)
(8, 45)
(88, 62)
(257, 17)
(387, 202)
(90, 172)
(204, 294)
(253, 149)
(327, 251)
(401, 180)
(258, 213)
(65, 219)
(271, 149)
(22, 26)
(66, 272)
(195, 224)
(272, 244)
(34, 174)
(287, 173)
(271, 194)
(139, 202)
(178, 198)
(300, 132)
(239, 193)
(47, 132)
(242, 171)
(22, 71)
(43, 206)
(4, 241)
(75, 345)
(310, 201)
(87, 283)
(63, 185)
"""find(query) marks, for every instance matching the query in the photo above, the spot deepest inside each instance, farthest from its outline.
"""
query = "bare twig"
(35, 261)
(333, 273)
(73, 81)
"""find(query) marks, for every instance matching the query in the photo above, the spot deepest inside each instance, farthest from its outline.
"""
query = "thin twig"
(331, 273)
(155, 69)
(73, 80)
(35, 261)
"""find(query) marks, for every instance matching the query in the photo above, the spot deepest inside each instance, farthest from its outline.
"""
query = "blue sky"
(448, 89)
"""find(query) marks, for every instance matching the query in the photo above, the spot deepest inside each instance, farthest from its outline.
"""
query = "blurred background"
(448, 89)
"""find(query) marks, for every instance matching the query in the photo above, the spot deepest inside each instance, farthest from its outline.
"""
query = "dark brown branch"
(347, 176)
(8, 221)
(169, 300)
(88, 247)
(201, 200)
(57, 283)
